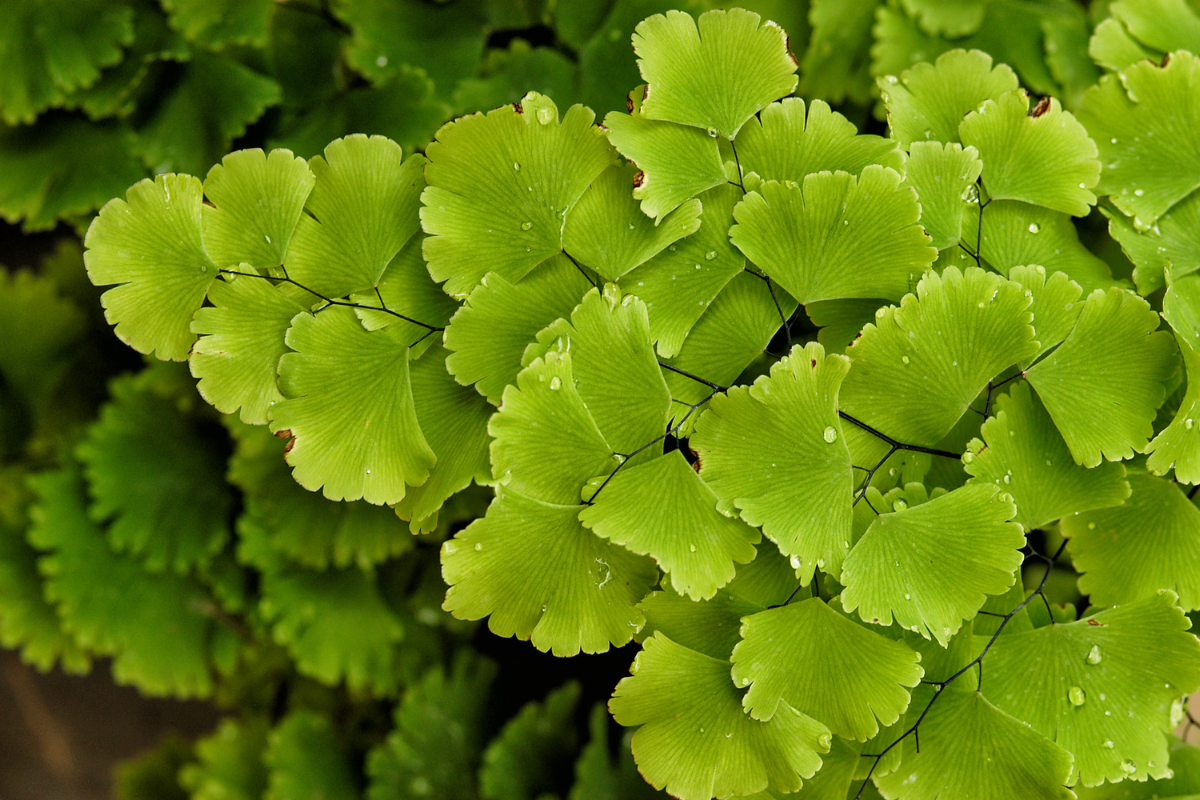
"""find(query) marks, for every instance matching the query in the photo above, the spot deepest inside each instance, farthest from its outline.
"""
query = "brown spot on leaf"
(814, 363)
(1096, 624)
(288, 447)
(795, 60)
(517, 108)
(602, 126)
(629, 102)
(286, 433)
(638, 179)
(1042, 107)
(1166, 60)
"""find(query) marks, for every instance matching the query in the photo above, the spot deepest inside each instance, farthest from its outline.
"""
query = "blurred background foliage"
(140, 529)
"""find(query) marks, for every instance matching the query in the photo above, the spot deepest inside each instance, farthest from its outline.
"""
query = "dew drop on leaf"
(525, 226)
(478, 547)
(709, 256)
(555, 383)
(1128, 766)
(830, 434)
(968, 457)
(516, 165)
(899, 505)
(1093, 656)
(795, 562)
(1034, 227)
(1076, 696)
(1188, 423)
(904, 359)
(544, 116)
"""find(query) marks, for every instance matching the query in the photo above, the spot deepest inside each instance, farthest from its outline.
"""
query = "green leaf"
(695, 739)
(307, 761)
(435, 745)
(336, 625)
(711, 626)
(970, 747)
(676, 162)
(151, 246)
(1183, 785)
(663, 509)
(943, 209)
(506, 76)
(542, 576)
(1056, 307)
(499, 186)
(1145, 126)
(837, 64)
(1138, 659)
(223, 23)
(446, 40)
(1181, 308)
(50, 49)
(454, 421)
(607, 232)
(1165, 25)
(714, 74)
(929, 101)
(229, 762)
(489, 334)
(841, 321)
(546, 443)
(303, 525)
(39, 330)
(213, 100)
(614, 368)
(520, 763)
(1135, 550)
(151, 473)
(63, 166)
(932, 566)
(349, 410)
(153, 775)
(1103, 385)
(257, 201)
(851, 676)
(1023, 454)
(597, 777)
(236, 361)
(1041, 157)
(680, 283)
(406, 290)
(1112, 46)
(782, 144)
(362, 210)
(803, 235)
(1018, 234)
(958, 332)
(947, 18)
(153, 625)
(1066, 41)
(1177, 447)
(776, 452)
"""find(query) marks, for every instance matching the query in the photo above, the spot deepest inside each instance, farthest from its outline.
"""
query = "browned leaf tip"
(517, 108)
(288, 447)
(286, 433)
(795, 60)
(629, 102)
(1042, 107)
(638, 179)
(1166, 60)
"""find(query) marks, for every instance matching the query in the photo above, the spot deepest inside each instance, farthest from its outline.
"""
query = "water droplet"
(710, 255)
(971, 194)
(712, 132)
(904, 359)
(1008, 478)
(880, 313)
(1128, 767)
(830, 434)
(381, 62)
(545, 115)
(1091, 526)
(672, 248)
(368, 470)
(825, 740)
(1034, 227)
(907, 596)
(1188, 423)
(795, 562)
(745, 681)
(1138, 192)
(516, 166)
(450, 548)
(525, 226)
(728, 735)
(697, 266)
(899, 505)
(1093, 656)
(204, 268)
(1109, 744)
(1076, 696)
(478, 547)
(892, 79)
(556, 383)
(692, 548)
(968, 457)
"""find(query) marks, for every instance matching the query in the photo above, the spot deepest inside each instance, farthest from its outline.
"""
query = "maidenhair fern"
(835, 557)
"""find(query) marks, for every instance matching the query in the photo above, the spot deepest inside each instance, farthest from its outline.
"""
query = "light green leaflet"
(950, 18)
(680, 283)
(221, 23)
(971, 748)
(841, 321)
(599, 773)
(454, 421)
(1177, 447)
(1055, 306)
(1047, 159)
(545, 443)
(1103, 385)
(615, 369)
(500, 186)
(151, 246)
(1181, 308)
(1147, 126)
(439, 724)
(775, 452)
(1019, 234)
(1022, 453)
(229, 761)
(837, 62)
(824, 665)
(360, 213)
(349, 410)
(520, 762)
(804, 235)
(1112, 47)
(489, 334)
(608, 232)
(931, 566)
(943, 207)
(336, 625)
(695, 739)
(1105, 685)
(929, 101)
(956, 334)
(1149, 544)
(407, 290)
(257, 199)
(1165, 25)
(783, 144)
(676, 162)
(538, 574)
(304, 756)
(715, 74)
(236, 362)
(663, 509)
